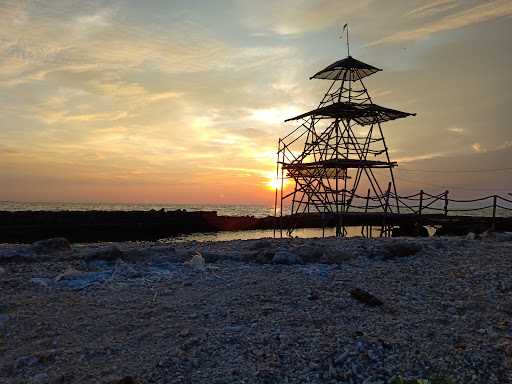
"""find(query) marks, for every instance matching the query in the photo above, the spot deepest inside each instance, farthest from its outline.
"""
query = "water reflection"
(258, 234)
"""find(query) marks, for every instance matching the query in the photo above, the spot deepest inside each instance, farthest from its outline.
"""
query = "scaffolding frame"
(334, 148)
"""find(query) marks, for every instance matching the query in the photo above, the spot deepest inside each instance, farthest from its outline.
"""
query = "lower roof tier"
(363, 114)
(331, 168)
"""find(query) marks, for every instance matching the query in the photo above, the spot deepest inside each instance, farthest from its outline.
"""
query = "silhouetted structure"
(337, 146)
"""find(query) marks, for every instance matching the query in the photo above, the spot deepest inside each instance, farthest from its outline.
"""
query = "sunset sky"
(183, 101)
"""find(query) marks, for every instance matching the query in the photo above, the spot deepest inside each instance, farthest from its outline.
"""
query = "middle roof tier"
(363, 114)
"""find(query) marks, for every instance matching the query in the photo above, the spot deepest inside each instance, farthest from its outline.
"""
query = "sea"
(222, 209)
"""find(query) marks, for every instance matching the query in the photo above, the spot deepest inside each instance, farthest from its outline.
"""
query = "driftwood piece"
(365, 297)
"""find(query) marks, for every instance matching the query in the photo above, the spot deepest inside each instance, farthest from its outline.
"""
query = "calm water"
(228, 210)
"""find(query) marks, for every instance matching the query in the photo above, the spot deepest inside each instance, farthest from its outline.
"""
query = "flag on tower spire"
(345, 28)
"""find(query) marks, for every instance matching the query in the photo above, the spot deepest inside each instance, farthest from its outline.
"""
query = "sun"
(273, 182)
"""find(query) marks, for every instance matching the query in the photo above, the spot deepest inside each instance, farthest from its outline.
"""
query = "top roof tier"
(346, 69)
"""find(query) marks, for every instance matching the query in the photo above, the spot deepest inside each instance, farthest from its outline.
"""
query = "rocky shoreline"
(258, 311)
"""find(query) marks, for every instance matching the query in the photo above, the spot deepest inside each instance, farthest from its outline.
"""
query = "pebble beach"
(333, 310)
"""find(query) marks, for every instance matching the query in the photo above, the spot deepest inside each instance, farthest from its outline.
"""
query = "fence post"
(387, 198)
(367, 201)
(494, 203)
(421, 202)
(446, 203)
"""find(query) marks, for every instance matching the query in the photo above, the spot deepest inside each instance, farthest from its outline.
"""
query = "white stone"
(470, 236)
(286, 257)
(197, 262)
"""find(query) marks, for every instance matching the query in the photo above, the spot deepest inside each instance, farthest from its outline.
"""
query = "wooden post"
(494, 203)
(446, 203)
(281, 207)
(383, 229)
(277, 178)
(421, 202)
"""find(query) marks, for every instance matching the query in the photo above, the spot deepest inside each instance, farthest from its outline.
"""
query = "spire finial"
(345, 28)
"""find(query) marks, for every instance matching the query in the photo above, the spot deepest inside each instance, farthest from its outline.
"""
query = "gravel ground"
(257, 311)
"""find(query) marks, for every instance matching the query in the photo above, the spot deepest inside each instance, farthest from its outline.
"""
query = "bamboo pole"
(421, 202)
(446, 203)
(494, 204)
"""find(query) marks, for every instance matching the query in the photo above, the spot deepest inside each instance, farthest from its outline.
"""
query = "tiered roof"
(364, 114)
(348, 69)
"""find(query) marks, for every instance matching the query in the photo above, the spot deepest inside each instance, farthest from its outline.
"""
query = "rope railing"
(422, 203)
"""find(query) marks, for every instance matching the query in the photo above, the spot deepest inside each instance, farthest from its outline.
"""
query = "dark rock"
(125, 270)
(40, 378)
(335, 256)
(103, 253)
(260, 244)
(265, 257)
(401, 249)
(309, 253)
(127, 380)
(49, 246)
(414, 229)
(4, 318)
(83, 280)
(26, 361)
(503, 236)
(45, 282)
(287, 258)
(313, 296)
(96, 265)
(365, 297)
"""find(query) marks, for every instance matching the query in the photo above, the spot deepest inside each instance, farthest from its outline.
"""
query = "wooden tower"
(336, 148)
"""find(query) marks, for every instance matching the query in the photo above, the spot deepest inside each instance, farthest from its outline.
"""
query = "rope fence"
(424, 203)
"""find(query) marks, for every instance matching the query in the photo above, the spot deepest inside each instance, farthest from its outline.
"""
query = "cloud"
(100, 40)
(99, 19)
(477, 147)
(456, 130)
(294, 17)
(433, 7)
(477, 14)
(93, 96)
(428, 156)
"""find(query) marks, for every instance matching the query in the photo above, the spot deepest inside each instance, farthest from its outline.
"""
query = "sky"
(184, 101)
